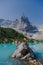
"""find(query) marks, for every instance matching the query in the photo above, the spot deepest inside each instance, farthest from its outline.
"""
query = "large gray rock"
(22, 51)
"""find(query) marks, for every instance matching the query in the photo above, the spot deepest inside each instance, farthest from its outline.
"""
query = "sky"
(13, 9)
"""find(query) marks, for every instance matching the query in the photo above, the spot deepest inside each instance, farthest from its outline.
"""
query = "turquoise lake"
(7, 49)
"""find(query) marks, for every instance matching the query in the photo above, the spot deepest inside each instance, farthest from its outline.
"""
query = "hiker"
(24, 51)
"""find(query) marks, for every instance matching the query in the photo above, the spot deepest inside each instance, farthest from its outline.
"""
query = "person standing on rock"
(24, 51)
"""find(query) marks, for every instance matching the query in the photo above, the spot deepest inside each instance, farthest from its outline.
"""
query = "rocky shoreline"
(29, 60)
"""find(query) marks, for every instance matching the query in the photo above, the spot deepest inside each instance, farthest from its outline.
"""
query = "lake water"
(38, 49)
(7, 49)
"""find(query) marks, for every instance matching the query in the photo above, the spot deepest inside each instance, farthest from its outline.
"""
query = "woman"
(16, 42)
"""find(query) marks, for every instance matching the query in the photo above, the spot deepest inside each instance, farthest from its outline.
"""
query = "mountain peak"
(22, 24)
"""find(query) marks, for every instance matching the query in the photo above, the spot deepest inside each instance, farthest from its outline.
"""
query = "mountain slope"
(39, 34)
(10, 34)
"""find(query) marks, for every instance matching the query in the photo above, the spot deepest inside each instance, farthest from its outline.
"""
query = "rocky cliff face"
(22, 24)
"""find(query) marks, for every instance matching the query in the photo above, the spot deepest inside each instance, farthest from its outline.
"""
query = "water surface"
(7, 49)
(38, 49)
(5, 52)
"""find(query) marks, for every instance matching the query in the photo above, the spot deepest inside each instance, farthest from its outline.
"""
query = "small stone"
(34, 60)
(30, 58)
(31, 61)
(35, 63)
